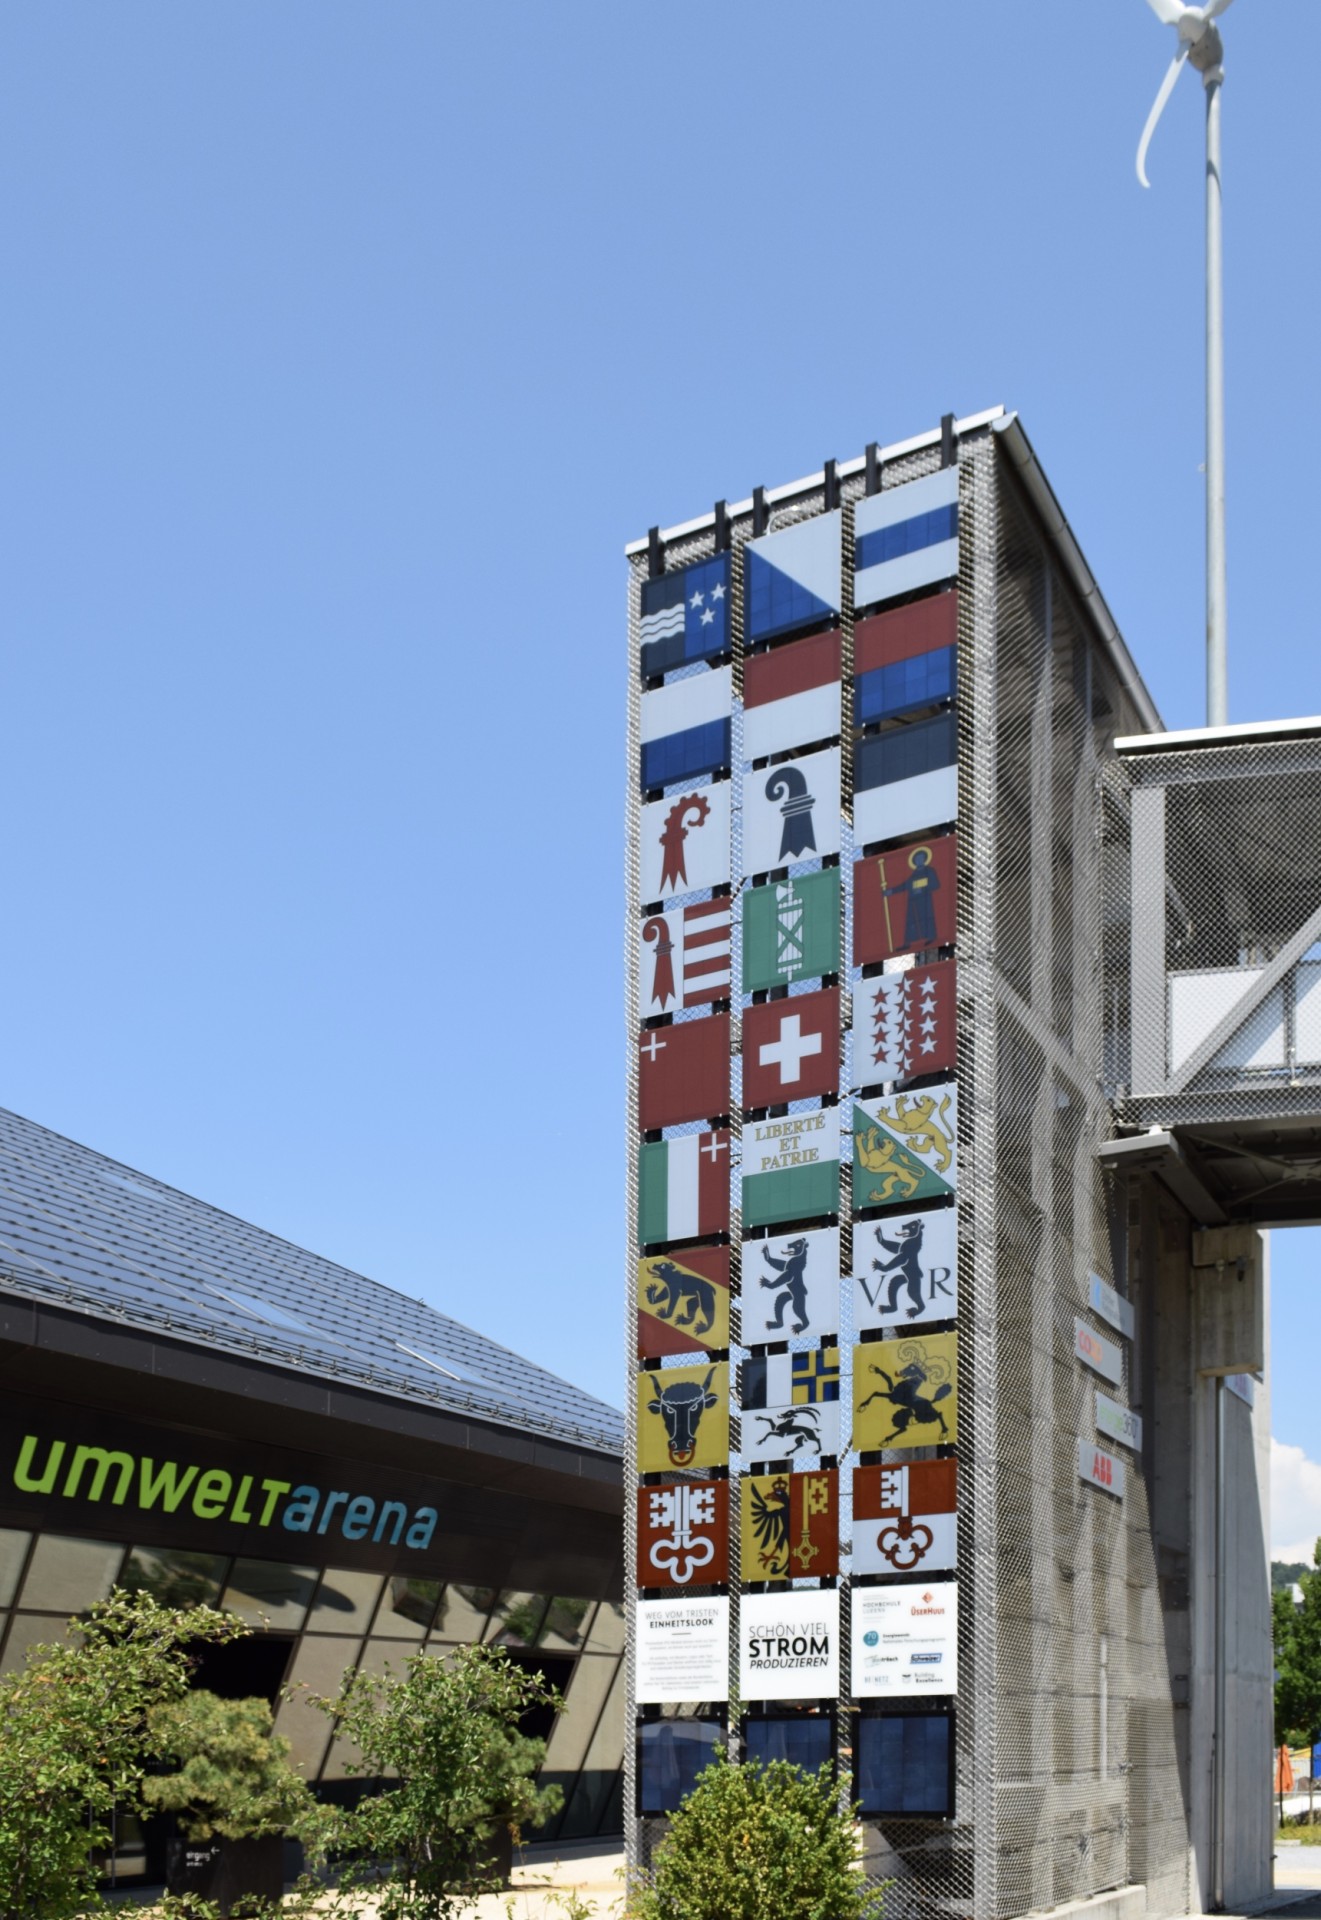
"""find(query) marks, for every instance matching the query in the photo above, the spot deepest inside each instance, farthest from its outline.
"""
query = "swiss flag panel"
(906, 901)
(791, 1049)
(683, 1072)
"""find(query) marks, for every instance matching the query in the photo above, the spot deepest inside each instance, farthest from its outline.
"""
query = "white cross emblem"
(790, 1050)
(652, 1045)
(713, 1146)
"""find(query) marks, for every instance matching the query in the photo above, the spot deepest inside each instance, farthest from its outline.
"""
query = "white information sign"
(789, 1646)
(1100, 1469)
(1100, 1354)
(906, 1639)
(1118, 1423)
(682, 1650)
(1112, 1307)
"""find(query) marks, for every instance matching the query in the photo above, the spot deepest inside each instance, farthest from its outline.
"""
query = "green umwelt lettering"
(272, 1489)
(166, 1486)
(23, 1475)
(239, 1513)
(102, 1461)
(212, 1495)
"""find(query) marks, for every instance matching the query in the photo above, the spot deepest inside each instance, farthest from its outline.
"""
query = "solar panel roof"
(80, 1231)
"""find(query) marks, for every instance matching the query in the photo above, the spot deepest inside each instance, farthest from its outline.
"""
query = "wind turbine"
(1200, 45)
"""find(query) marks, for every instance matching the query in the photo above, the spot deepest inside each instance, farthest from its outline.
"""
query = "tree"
(755, 1842)
(1298, 1660)
(234, 1780)
(74, 1743)
(447, 1729)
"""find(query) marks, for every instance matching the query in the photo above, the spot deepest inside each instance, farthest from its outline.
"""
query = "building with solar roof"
(194, 1406)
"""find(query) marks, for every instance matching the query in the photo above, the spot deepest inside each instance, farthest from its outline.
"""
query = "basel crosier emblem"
(797, 838)
(692, 810)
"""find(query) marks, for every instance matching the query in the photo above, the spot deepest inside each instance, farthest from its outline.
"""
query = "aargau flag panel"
(906, 1392)
(905, 1518)
(683, 958)
(906, 1268)
(906, 1023)
(906, 780)
(791, 1048)
(683, 1187)
(791, 811)
(791, 930)
(792, 578)
(906, 538)
(683, 1302)
(791, 696)
(905, 901)
(683, 1072)
(685, 729)
(791, 1285)
(789, 1645)
(791, 1168)
(685, 842)
(685, 616)
(905, 1147)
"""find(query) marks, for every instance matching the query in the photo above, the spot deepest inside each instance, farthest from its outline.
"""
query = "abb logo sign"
(1100, 1469)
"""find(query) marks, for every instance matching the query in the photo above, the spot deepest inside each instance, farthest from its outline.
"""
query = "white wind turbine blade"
(1158, 108)
(1215, 9)
(1171, 12)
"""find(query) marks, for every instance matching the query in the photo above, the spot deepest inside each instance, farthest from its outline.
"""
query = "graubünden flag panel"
(906, 538)
(905, 901)
(683, 1302)
(791, 812)
(683, 1188)
(906, 1024)
(683, 1072)
(790, 930)
(905, 1518)
(791, 1049)
(685, 842)
(685, 729)
(790, 1404)
(905, 659)
(685, 616)
(906, 780)
(792, 578)
(791, 696)
(683, 958)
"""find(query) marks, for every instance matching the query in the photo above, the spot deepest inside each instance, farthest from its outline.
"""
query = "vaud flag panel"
(905, 1518)
(790, 1527)
(685, 842)
(685, 616)
(906, 1023)
(791, 1167)
(683, 1072)
(791, 1286)
(683, 1188)
(791, 1048)
(790, 1404)
(906, 538)
(791, 811)
(791, 696)
(683, 958)
(906, 781)
(683, 1534)
(685, 729)
(792, 578)
(906, 1268)
(905, 901)
(683, 1302)
(790, 930)
(683, 1417)
(905, 1147)
(906, 1392)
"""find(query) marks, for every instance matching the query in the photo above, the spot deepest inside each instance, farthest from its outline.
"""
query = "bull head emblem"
(681, 1406)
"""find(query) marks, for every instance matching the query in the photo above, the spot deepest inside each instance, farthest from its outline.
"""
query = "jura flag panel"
(906, 780)
(906, 1268)
(906, 1392)
(790, 930)
(685, 616)
(683, 1188)
(791, 1286)
(792, 578)
(906, 901)
(906, 538)
(791, 812)
(790, 1525)
(685, 842)
(905, 1518)
(791, 1167)
(906, 1023)
(683, 1302)
(683, 1534)
(905, 1147)
(686, 729)
(683, 1072)
(791, 1048)
(683, 958)
(683, 1418)
(791, 696)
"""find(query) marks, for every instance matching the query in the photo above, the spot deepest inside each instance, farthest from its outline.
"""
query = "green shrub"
(234, 1780)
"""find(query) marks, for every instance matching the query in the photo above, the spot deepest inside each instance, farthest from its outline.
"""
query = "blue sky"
(343, 349)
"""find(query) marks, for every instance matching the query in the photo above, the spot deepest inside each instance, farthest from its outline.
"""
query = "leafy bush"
(755, 1842)
(234, 1780)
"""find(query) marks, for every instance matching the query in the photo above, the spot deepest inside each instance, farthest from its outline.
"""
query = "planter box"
(233, 1873)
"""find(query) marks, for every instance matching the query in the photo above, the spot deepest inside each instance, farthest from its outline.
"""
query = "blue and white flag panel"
(907, 780)
(791, 1286)
(685, 616)
(685, 842)
(906, 538)
(792, 578)
(685, 728)
(907, 1269)
(791, 812)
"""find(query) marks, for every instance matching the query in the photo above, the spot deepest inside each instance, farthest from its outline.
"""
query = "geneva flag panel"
(686, 729)
(791, 930)
(790, 1404)
(791, 811)
(905, 1518)
(791, 1167)
(905, 901)
(683, 1072)
(683, 1534)
(683, 1418)
(685, 843)
(906, 780)
(791, 696)
(906, 1268)
(791, 1049)
(683, 958)
(791, 1286)
(685, 616)
(683, 1188)
(906, 1024)
(905, 1148)
(792, 578)
(683, 1302)
(906, 1392)
(906, 538)
(790, 1525)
